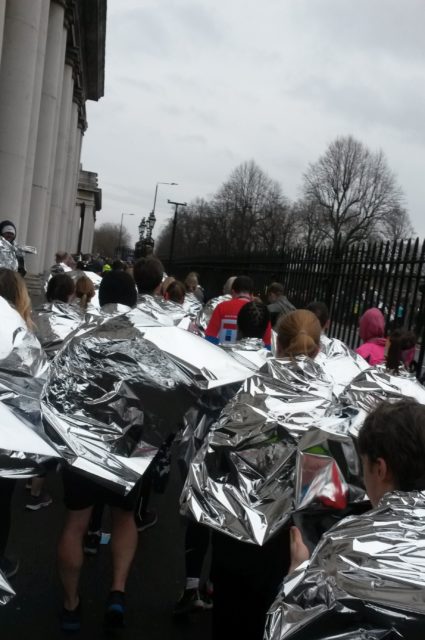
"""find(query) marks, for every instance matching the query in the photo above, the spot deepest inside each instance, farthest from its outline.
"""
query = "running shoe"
(192, 601)
(115, 610)
(71, 620)
(34, 503)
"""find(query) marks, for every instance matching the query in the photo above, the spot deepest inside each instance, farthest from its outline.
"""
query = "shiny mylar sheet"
(121, 385)
(365, 579)
(281, 445)
(54, 322)
(205, 313)
(8, 257)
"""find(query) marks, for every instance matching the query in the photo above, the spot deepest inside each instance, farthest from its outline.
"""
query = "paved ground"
(153, 587)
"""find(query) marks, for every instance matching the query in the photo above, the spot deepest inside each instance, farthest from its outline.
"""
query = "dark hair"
(60, 287)
(320, 310)
(396, 433)
(176, 291)
(148, 274)
(253, 319)
(243, 284)
(118, 265)
(117, 287)
(401, 340)
(276, 288)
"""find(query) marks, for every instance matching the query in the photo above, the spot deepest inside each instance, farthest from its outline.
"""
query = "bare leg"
(70, 554)
(123, 546)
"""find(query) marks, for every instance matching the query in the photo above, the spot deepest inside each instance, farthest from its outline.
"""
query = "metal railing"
(387, 275)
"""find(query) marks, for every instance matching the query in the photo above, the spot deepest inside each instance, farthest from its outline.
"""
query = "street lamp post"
(173, 233)
(172, 184)
(119, 241)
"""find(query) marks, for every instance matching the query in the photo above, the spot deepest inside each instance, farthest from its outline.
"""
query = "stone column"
(2, 14)
(74, 220)
(47, 136)
(69, 174)
(87, 242)
(24, 33)
(56, 219)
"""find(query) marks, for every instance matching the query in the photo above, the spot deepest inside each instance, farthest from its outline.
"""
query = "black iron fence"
(390, 276)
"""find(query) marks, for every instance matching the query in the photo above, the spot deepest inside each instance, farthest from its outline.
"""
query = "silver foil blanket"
(23, 368)
(365, 579)
(204, 314)
(8, 255)
(6, 591)
(376, 385)
(54, 322)
(280, 446)
(119, 387)
(340, 363)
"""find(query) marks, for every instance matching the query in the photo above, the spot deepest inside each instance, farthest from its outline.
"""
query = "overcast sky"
(194, 87)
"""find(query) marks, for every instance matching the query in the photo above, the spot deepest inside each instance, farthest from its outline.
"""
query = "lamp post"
(119, 241)
(172, 184)
(173, 233)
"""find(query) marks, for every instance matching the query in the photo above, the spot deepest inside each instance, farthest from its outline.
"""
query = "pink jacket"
(372, 332)
(373, 352)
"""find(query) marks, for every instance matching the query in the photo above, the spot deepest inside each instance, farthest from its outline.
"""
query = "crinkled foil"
(54, 322)
(192, 306)
(249, 351)
(6, 591)
(8, 258)
(375, 385)
(119, 387)
(23, 368)
(279, 446)
(164, 312)
(366, 576)
(204, 315)
(340, 363)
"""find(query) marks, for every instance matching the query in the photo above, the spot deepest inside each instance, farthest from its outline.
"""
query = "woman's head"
(298, 333)
(252, 320)
(14, 290)
(372, 325)
(392, 447)
(401, 349)
(175, 292)
(117, 287)
(60, 287)
(191, 282)
(84, 290)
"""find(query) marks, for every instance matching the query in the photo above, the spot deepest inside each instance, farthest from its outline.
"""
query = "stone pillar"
(23, 39)
(2, 14)
(88, 230)
(47, 136)
(69, 174)
(74, 219)
(56, 219)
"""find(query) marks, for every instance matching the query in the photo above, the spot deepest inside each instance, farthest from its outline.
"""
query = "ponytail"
(298, 333)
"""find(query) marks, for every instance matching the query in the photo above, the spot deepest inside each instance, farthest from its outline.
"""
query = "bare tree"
(107, 239)
(396, 225)
(309, 223)
(354, 189)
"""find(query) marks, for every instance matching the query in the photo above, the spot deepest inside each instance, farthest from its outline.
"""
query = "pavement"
(154, 585)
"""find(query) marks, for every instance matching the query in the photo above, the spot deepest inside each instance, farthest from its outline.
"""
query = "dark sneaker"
(9, 566)
(115, 610)
(71, 620)
(34, 503)
(92, 543)
(192, 601)
(149, 519)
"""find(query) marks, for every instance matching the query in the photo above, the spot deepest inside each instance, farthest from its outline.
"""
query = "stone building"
(52, 60)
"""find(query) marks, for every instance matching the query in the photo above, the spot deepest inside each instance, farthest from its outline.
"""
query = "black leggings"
(196, 546)
(6, 491)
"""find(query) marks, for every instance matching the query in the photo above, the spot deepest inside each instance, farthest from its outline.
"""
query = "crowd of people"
(244, 578)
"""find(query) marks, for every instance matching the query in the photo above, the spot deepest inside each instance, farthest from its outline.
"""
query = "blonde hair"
(298, 333)
(14, 290)
(84, 291)
(191, 281)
